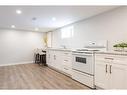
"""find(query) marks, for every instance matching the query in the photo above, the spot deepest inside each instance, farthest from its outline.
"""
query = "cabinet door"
(56, 59)
(118, 77)
(101, 74)
(67, 69)
(48, 57)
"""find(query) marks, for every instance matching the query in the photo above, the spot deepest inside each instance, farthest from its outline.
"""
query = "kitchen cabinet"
(118, 77)
(53, 58)
(66, 58)
(110, 71)
(66, 62)
(60, 60)
(67, 70)
(49, 57)
(101, 75)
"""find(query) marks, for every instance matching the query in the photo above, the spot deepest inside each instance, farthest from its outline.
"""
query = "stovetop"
(87, 50)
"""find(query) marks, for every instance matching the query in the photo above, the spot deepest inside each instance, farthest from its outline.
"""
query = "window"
(67, 32)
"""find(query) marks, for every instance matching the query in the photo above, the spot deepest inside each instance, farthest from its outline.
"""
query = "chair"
(43, 57)
(37, 58)
(40, 56)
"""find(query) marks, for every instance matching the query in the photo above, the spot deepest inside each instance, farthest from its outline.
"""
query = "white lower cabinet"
(60, 60)
(49, 57)
(110, 73)
(118, 77)
(53, 59)
(66, 69)
(83, 78)
(101, 75)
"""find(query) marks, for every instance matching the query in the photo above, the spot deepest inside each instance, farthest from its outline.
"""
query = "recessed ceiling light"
(12, 26)
(53, 19)
(18, 11)
(36, 29)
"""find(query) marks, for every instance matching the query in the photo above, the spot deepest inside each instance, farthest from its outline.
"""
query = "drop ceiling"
(46, 18)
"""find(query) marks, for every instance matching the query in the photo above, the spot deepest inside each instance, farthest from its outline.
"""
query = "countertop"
(97, 52)
(112, 52)
(60, 49)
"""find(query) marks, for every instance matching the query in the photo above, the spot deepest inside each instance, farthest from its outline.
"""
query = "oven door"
(83, 63)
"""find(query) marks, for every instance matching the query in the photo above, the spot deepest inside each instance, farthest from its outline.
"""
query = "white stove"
(83, 65)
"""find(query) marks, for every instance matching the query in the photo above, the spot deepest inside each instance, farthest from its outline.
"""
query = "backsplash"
(109, 26)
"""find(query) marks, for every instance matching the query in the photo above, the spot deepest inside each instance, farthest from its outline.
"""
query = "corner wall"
(17, 47)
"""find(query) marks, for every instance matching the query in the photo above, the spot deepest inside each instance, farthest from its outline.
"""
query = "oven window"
(81, 60)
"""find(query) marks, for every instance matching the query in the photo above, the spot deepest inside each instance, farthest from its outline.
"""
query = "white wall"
(111, 26)
(18, 46)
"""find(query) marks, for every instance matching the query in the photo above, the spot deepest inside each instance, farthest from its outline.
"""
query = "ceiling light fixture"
(18, 11)
(12, 26)
(36, 29)
(53, 19)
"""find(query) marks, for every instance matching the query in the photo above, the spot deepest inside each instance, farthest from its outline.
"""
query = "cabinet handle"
(106, 68)
(110, 69)
(65, 53)
(54, 57)
(66, 60)
(65, 68)
(109, 58)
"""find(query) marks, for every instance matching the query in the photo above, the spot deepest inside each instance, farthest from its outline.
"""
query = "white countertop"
(60, 49)
(97, 52)
(112, 52)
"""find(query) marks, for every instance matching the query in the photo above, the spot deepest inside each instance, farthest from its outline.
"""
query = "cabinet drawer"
(66, 54)
(67, 62)
(103, 58)
(116, 59)
(67, 59)
(67, 69)
(83, 78)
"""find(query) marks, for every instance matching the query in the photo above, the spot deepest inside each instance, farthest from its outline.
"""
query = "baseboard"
(8, 64)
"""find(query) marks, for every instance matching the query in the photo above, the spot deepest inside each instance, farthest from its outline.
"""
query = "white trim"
(9, 64)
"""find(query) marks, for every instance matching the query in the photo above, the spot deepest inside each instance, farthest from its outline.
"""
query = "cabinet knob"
(65, 68)
(109, 58)
(66, 60)
(54, 57)
(65, 53)
(106, 68)
(110, 69)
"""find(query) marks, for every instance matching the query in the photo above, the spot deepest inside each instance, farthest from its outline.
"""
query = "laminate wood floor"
(34, 76)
